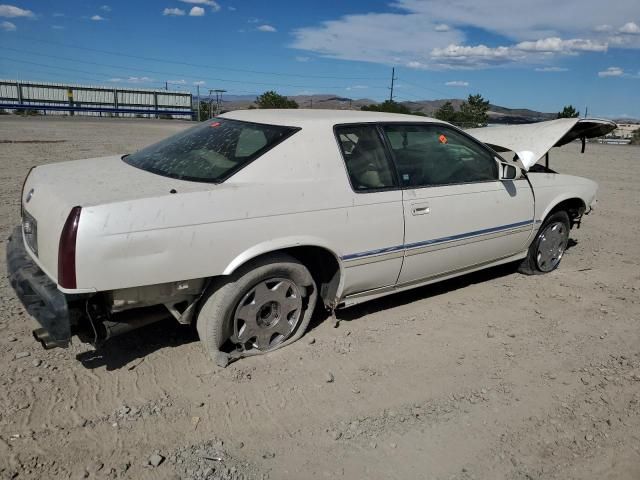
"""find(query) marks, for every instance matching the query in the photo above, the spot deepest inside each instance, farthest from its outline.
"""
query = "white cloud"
(57, 27)
(551, 69)
(357, 87)
(416, 65)
(105, 8)
(460, 56)
(57, 15)
(231, 9)
(267, 28)
(602, 28)
(173, 12)
(8, 27)
(11, 11)
(196, 12)
(97, 18)
(433, 33)
(375, 37)
(177, 82)
(630, 28)
(558, 45)
(210, 3)
(457, 83)
(524, 20)
(302, 59)
(477, 56)
(612, 72)
(131, 80)
(199, 83)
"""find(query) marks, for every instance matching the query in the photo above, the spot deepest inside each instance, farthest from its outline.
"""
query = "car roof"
(304, 117)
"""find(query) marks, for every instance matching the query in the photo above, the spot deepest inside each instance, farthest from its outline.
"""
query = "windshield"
(211, 151)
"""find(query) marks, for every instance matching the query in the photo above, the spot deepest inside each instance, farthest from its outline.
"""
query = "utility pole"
(393, 79)
(198, 92)
(166, 85)
(218, 92)
(586, 111)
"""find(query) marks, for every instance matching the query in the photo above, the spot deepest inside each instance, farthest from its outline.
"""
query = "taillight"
(67, 250)
(24, 182)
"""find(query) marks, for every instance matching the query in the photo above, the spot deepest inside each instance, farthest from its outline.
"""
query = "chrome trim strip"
(374, 258)
(465, 241)
(381, 291)
(383, 253)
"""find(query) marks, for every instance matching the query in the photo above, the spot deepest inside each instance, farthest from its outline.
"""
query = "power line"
(156, 72)
(66, 69)
(418, 87)
(197, 65)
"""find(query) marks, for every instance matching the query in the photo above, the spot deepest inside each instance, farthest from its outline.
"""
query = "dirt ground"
(490, 376)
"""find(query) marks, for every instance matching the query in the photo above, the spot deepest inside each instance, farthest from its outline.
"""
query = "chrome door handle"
(420, 209)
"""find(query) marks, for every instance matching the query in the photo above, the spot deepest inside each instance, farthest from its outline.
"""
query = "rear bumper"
(39, 295)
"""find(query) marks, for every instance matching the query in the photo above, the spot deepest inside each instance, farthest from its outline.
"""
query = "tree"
(635, 138)
(204, 110)
(271, 99)
(568, 112)
(388, 106)
(446, 113)
(473, 112)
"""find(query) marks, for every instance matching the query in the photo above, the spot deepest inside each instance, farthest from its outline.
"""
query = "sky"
(540, 54)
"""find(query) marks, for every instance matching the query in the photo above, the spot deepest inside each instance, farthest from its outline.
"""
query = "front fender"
(553, 189)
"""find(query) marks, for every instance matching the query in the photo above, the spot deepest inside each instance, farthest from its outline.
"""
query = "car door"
(458, 214)
(374, 233)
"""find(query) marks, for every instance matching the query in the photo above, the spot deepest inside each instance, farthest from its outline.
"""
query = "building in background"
(71, 99)
(625, 130)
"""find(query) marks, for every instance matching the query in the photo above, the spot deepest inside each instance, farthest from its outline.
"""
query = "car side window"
(431, 155)
(364, 154)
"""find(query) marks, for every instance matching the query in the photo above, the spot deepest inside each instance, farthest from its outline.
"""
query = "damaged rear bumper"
(39, 295)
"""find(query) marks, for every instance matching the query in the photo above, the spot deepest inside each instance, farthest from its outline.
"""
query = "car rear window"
(211, 151)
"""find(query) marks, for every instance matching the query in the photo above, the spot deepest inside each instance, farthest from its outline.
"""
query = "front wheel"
(261, 307)
(549, 246)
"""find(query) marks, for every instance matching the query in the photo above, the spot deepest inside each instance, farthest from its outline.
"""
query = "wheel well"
(322, 265)
(574, 207)
(324, 268)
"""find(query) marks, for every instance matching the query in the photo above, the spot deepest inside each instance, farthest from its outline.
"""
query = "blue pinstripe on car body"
(460, 236)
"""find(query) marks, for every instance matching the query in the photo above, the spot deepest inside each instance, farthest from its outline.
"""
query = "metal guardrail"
(78, 99)
(65, 108)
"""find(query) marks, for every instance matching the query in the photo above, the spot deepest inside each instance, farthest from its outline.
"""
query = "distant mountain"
(497, 114)
(328, 101)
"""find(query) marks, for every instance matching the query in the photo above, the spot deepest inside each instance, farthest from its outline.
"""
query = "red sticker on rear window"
(215, 124)
(442, 139)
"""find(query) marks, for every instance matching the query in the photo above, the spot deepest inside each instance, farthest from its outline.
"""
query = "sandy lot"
(491, 376)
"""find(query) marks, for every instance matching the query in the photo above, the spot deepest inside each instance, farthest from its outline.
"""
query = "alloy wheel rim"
(267, 315)
(551, 246)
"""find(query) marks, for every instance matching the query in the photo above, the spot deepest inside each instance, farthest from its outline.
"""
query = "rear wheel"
(547, 250)
(259, 308)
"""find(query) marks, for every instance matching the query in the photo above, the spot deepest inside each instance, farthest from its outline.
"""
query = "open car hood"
(533, 140)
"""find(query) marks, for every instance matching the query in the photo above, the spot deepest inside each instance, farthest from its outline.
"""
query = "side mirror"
(508, 172)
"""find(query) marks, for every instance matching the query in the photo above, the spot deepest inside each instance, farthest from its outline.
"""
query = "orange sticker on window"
(442, 139)
(215, 124)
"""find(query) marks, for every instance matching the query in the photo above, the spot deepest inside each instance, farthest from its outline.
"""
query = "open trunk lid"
(533, 140)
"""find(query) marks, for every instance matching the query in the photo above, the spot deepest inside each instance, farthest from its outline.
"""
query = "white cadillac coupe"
(244, 223)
